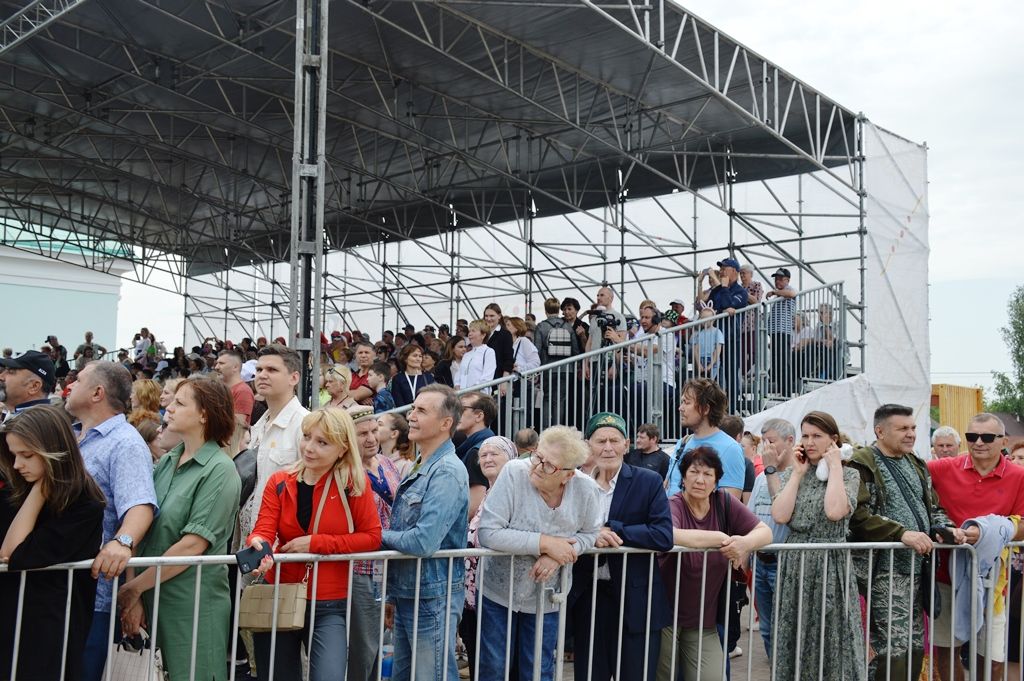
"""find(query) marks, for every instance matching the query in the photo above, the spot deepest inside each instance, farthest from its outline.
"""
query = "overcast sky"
(946, 74)
(941, 73)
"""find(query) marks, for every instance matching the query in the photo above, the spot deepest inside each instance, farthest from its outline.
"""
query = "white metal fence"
(761, 358)
(862, 565)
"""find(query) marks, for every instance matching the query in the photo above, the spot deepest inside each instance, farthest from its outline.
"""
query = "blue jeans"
(764, 597)
(97, 644)
(493, 638)
(432, 650)
(327, 655)
(364, 639)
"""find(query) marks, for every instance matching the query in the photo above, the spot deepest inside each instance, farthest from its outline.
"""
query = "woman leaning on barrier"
(51, 512)
(547, 514)
(817, 589)
(197, 488)
(703, 517)
(330, 464)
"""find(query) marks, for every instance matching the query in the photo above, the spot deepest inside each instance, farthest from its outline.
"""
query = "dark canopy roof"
(166, 125)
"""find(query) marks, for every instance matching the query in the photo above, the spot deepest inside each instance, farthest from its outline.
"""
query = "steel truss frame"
(432, 197)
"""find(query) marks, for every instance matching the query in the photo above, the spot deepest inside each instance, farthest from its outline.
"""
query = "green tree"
(1008, 392)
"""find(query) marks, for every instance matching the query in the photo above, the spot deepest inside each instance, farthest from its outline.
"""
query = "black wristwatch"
(770, 470)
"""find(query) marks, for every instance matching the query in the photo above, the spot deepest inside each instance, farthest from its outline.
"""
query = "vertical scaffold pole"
(307, 203)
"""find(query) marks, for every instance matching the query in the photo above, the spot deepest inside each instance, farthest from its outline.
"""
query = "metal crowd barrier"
(760, 364)
(880, 559)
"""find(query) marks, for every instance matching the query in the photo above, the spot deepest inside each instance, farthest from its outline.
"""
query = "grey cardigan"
(513, 518)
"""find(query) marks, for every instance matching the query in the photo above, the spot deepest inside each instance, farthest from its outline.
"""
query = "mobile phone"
(946, 534)
(249, 559)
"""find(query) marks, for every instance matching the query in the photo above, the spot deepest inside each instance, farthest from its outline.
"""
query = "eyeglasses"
(546, 467)
(987, 438)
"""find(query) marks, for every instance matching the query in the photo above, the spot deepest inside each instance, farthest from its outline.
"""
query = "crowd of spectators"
(207, 452)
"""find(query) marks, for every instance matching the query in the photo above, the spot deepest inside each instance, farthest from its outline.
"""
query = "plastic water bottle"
(387, 656)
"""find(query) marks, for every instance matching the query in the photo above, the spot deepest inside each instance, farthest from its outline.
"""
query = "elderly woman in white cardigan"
(542, 510)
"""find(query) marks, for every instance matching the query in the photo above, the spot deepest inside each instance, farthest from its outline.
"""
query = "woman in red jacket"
(303, 512)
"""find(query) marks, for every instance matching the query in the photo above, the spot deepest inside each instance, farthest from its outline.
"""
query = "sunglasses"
(987, 438)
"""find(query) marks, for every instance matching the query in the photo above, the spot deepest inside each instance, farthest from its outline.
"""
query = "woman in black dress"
(59, 519)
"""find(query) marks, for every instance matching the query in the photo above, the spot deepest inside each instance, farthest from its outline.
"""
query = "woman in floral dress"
(817, 590)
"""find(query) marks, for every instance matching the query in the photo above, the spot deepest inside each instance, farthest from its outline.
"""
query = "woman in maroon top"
(703, 518)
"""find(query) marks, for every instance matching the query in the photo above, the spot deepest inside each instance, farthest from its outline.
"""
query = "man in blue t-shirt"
(701, 409)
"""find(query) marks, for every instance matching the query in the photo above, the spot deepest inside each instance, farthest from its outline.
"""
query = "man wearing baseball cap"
(780, 331)
(726, 295)
(26, 380)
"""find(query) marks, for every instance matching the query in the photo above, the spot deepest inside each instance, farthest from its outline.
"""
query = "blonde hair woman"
(479, 362)
(300, 514)
(337, 382)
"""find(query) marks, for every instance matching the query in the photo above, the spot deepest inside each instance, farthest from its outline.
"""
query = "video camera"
(604, 320)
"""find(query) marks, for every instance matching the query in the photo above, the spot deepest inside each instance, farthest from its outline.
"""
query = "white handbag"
(129, 663)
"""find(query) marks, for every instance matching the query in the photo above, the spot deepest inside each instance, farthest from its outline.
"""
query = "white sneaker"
(735, 652)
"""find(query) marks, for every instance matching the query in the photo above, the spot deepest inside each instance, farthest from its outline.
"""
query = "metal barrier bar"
(836, 558)
(763, 358)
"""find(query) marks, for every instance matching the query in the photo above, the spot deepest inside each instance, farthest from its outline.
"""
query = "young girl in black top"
(53, 514)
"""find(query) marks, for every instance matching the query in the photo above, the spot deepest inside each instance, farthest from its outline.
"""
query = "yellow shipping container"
(957, 404)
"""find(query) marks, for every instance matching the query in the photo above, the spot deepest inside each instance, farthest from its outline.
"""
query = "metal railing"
(863, 565)
(758, 354)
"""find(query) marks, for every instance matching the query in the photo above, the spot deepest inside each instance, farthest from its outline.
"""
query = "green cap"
(606, 418)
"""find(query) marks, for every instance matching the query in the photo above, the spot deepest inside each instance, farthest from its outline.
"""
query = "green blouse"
(199, 497)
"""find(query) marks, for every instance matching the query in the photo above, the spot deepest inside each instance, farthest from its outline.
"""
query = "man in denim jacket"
(429, 515)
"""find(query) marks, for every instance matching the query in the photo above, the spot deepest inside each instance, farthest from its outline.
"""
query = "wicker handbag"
(256, 610)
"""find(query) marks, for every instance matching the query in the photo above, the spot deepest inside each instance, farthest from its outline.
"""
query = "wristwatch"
(125, 540)
(770, 470)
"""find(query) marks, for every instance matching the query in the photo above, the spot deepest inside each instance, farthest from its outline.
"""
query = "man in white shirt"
(277, 435)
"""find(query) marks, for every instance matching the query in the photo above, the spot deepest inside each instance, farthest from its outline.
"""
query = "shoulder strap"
(905, 490)
(323, 500)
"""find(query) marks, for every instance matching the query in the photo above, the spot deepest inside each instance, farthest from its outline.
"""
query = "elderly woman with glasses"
(543, 511)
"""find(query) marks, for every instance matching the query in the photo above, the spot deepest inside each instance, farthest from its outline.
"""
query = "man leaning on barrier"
(981, 482)
(635, 513)
(779, 437)
(429, 515)
(896, 503)
(119, 460)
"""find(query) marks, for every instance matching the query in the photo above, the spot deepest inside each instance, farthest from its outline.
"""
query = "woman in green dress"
(817, 590)
(197, 488)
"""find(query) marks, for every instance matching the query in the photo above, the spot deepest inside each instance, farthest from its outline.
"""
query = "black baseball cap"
(781, 272)
(37, 362)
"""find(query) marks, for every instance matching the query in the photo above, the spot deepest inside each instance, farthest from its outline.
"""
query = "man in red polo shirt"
(978, 483)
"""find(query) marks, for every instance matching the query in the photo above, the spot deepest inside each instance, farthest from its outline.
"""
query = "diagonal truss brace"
(32, 19)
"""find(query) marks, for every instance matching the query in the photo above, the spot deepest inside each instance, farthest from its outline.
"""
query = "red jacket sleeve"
(269, 518)
(365, 535)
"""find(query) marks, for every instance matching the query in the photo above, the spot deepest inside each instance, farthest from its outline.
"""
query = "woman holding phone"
(323, 504)
(815, 588)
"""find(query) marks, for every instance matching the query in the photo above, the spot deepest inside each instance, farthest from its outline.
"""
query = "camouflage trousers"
(894, 628)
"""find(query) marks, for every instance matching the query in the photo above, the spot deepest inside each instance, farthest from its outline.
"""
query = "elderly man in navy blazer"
(636, 514)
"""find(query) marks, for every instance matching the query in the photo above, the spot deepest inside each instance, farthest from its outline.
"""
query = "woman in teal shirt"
(197, 489)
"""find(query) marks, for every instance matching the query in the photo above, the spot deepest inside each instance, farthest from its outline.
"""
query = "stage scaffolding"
(441, 154)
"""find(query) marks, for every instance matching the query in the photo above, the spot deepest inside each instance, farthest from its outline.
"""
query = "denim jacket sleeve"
(420, 532)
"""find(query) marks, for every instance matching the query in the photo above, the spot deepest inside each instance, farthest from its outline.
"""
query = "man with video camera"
(607, 327)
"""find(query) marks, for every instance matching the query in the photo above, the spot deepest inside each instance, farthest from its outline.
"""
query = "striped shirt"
(780, 315)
